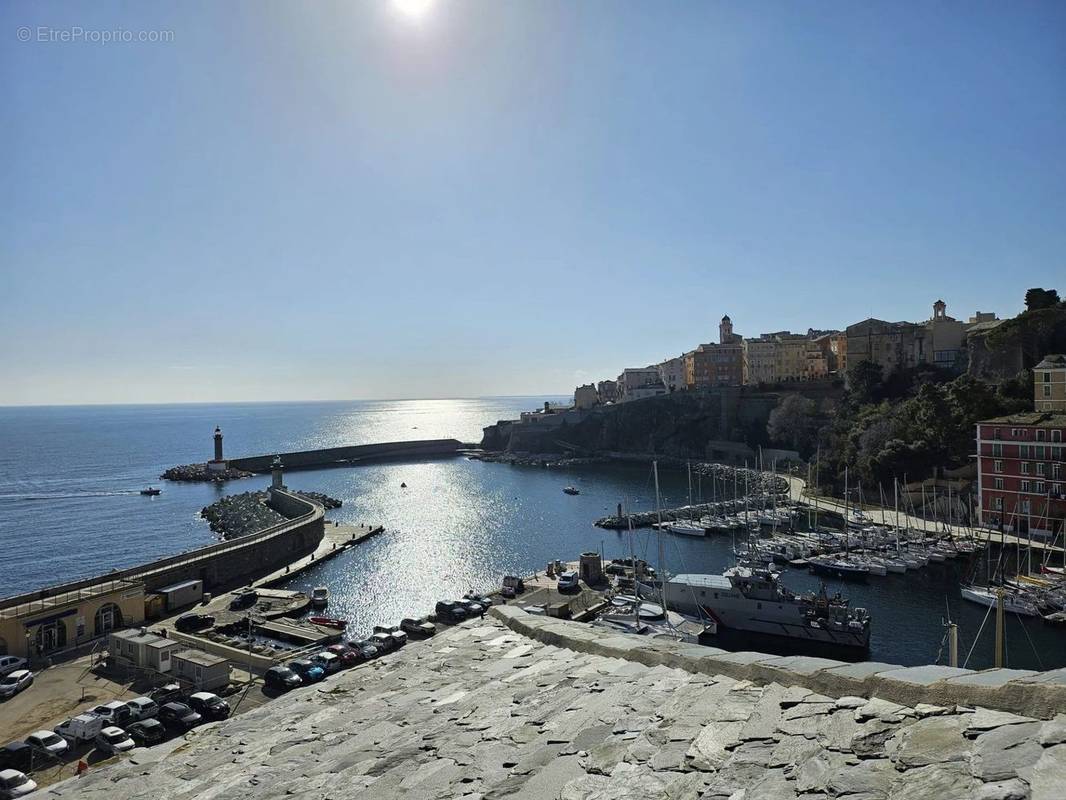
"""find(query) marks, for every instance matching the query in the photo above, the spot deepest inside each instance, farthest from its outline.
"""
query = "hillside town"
(784, 357)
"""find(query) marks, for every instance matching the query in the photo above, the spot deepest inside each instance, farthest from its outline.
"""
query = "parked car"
(384, 642)
(418, 627)
(568, 581)
(482, 600)
(114, 713)
(147, 732)
(473, 608)
(112, 740)
(50, 741)
(25, 757)
(209, 706)
(450, 611)
(82, 728)
(15, 682)
(178, 716)
(330, 662)
(399, 638)
(348, 656)
(14, 783)
(281, 679)
(142, 708)
(512, 586)
(308, 671)
(194, 622)
(244, 599)
(12, 663)
(366, 648)
(167, 693)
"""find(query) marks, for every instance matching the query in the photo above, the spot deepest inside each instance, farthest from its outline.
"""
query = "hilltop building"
(940, 340)
(721, 364)
(672, 373)
(1021, 459)
(586, 396)
(637, 383)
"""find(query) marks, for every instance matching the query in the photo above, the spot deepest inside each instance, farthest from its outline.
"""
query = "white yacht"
(753, 601)
(1012, 603)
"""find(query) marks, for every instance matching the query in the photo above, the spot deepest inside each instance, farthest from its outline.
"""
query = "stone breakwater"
(241, 514)
(550, 460)
(481, 711)
(199, 473)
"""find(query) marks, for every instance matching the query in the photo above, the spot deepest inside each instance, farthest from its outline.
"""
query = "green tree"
(864, 382)
(794, 423)
(1036, 299)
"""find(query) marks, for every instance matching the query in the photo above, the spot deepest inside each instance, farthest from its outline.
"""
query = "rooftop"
(74, 596)
(1052, 361)
(1036, 419)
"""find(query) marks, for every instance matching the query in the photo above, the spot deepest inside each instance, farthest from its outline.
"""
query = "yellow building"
(36, 627)
(1049, 384)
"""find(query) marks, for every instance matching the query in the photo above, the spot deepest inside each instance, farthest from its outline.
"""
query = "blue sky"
(336, 200)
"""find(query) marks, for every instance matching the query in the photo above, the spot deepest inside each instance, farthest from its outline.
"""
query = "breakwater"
(241, 514)
(219, 566)
(349, 455)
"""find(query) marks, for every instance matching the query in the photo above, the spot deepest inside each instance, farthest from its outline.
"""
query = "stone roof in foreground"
(483, 712)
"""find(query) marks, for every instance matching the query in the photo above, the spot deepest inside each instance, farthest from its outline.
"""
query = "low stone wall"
(1035, 694)
(337, 456)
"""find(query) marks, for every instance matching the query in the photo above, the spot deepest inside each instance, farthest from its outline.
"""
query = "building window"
(1040, 468)
(1047, 390)
(997, 503)
(1040, 435)
(998, 483)
(995, 433)
(1025, 486)
(1057, 490)
(997, 450)
(998, 466)
(1039, 488)
(1056, 436)
(1056, 470)
(1025, 468)
(1023, 451)
(1047, 377)
(1040, 451)
(1025, 506)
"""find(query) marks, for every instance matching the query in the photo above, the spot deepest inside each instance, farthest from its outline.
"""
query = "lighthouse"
(218, 463)
(276, 476)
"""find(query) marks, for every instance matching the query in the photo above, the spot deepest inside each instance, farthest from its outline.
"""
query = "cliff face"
(1019, 343)
(682, 425)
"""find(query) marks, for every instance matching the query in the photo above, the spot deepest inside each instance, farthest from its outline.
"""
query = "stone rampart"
(1035, 694)
(221, 565)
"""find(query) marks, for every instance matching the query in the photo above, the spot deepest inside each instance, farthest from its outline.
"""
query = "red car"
(347, 656)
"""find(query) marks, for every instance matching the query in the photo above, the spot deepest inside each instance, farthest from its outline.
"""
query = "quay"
(336, 539)
(798, 493)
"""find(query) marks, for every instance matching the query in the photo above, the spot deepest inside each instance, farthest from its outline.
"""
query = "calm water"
(69, 506)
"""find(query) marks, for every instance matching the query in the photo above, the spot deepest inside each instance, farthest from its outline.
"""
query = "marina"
(462, 524)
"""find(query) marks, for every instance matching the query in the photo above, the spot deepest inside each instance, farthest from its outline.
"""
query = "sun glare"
(413, 9)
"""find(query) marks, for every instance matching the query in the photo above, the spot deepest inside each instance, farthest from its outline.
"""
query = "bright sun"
(413, 9)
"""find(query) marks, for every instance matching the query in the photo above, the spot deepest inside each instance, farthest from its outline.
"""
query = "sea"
(70, 506)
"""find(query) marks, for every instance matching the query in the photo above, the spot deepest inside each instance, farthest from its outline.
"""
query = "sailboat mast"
(659, 535)
(845, 510)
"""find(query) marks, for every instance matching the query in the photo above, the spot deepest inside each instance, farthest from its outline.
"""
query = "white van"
(568, 581)
(82, 728)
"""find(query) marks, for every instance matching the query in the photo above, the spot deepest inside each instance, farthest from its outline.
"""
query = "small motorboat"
(320, 597)
(571, 490)
(151, 491)
(329, 622)
(403, 485)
